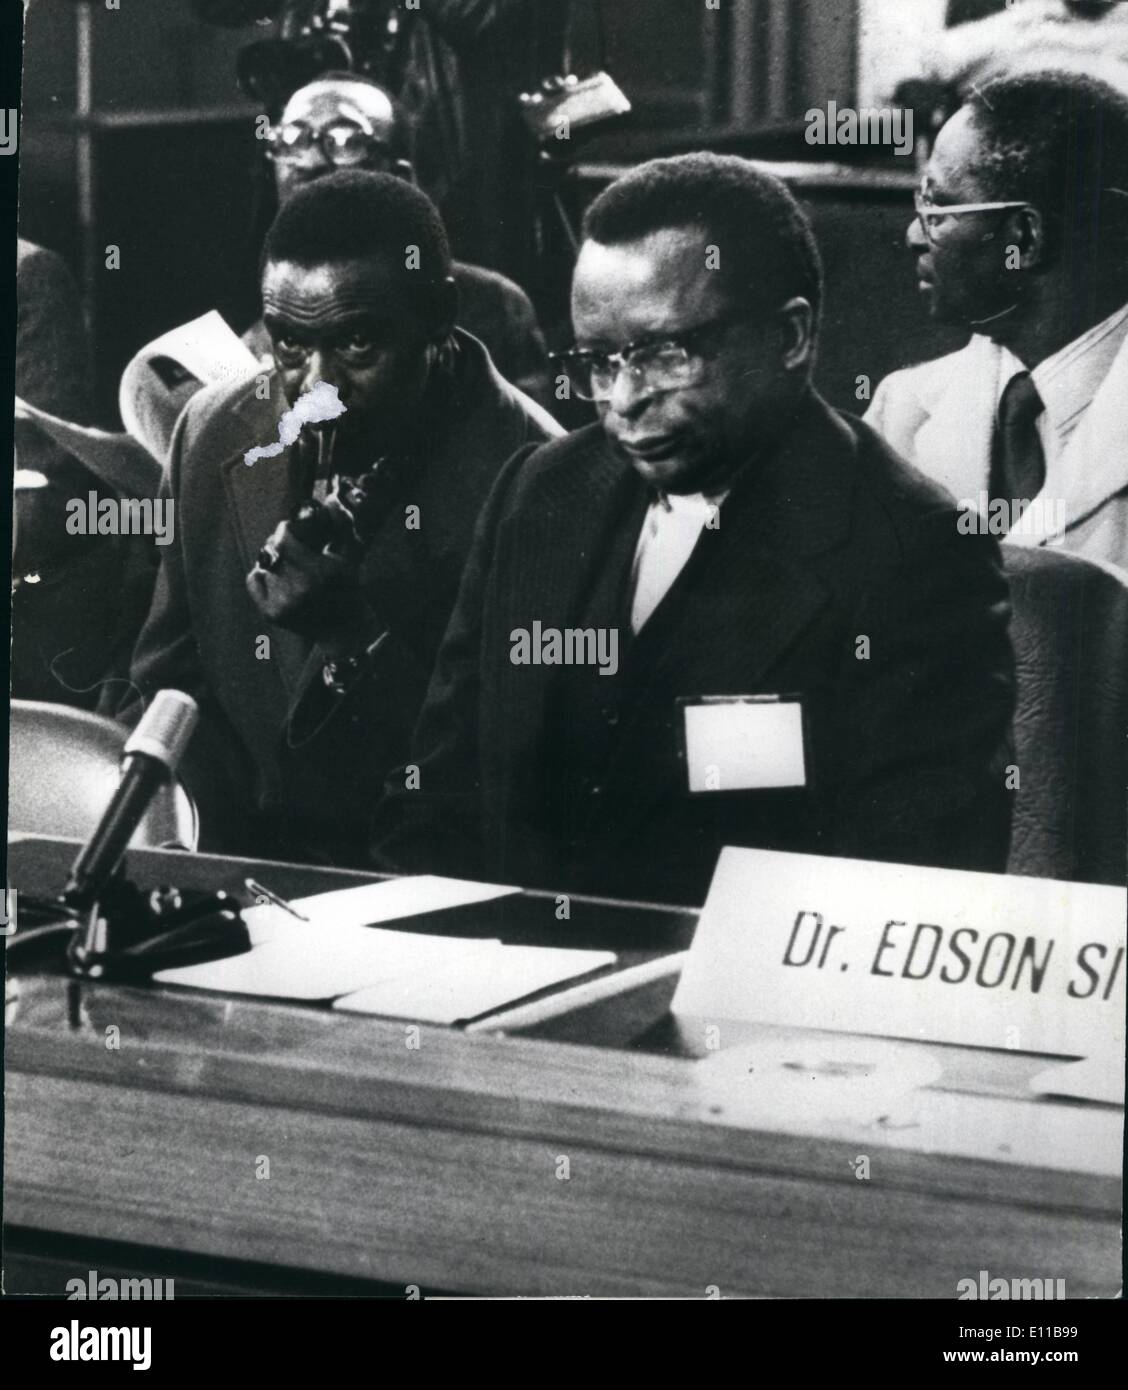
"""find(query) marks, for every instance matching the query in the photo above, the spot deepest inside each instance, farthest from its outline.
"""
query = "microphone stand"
(127, 934)
(117, 931)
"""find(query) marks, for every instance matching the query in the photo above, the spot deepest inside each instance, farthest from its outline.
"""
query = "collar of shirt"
(1068, 381)
(685, 514)
(690, 503)
(670, 531)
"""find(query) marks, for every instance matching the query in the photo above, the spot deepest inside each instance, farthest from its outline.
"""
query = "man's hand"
(311, 592)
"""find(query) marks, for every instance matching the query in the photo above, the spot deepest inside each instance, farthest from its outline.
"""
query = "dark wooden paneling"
(180, 202)
(657, 54)
(874, 319)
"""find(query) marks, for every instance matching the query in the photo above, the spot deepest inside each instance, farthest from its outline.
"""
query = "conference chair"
(1070, 635)
(63, 769)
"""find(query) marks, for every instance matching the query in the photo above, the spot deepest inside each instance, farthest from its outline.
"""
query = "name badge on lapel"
(735, 743)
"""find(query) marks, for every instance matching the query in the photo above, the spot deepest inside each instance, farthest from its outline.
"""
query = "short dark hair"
(1059, 140)
(352, 215)
(767, 249)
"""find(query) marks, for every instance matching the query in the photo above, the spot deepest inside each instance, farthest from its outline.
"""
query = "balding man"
(345, 121)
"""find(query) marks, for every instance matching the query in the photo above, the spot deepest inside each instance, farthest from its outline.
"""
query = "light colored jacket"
(940, 416)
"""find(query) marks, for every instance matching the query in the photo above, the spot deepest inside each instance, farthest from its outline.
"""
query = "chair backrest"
(1070, 635)
(63, 769)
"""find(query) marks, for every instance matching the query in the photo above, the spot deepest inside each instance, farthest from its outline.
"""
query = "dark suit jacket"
(494, 310)
(265, 785)
(830, 539)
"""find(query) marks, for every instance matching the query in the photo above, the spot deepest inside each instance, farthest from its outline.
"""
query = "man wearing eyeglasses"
(808, 656)
(345, 121)
(1021, 236)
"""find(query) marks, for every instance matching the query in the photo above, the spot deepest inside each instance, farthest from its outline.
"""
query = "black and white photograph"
(568, 662)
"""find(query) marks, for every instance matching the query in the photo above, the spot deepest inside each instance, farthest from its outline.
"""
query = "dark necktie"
(1018, 465)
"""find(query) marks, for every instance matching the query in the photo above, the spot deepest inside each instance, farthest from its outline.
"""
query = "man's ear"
(446, 308)
(1026, 235)
(798, 320)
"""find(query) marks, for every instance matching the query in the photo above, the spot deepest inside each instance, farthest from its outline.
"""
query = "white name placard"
(941, 955)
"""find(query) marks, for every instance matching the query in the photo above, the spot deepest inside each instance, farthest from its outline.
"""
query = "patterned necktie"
(1018, 465)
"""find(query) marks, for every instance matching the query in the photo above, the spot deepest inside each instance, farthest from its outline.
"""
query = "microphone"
(151, 756)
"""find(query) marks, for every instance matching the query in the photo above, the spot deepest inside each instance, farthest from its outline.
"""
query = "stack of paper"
(335, 955)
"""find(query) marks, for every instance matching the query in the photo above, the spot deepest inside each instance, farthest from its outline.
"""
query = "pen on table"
(262, 892)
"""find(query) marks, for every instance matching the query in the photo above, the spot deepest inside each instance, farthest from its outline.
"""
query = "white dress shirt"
(941, 416)
(1068, 381)
(670, 530)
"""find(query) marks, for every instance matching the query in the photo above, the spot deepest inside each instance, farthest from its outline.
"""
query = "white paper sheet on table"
(447, 992)
(1089, 1078)
(373, 903)
(300, 961)
(338, 955)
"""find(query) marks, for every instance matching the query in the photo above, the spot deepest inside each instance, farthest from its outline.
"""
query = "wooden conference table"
(439, 1167)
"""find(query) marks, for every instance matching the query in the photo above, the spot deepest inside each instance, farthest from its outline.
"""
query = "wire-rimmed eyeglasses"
(343, 144)
(929, 214)
(653, 363)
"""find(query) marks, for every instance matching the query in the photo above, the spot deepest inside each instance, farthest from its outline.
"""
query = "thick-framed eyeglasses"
(654, 364)
(343, 145)
(931, 215)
